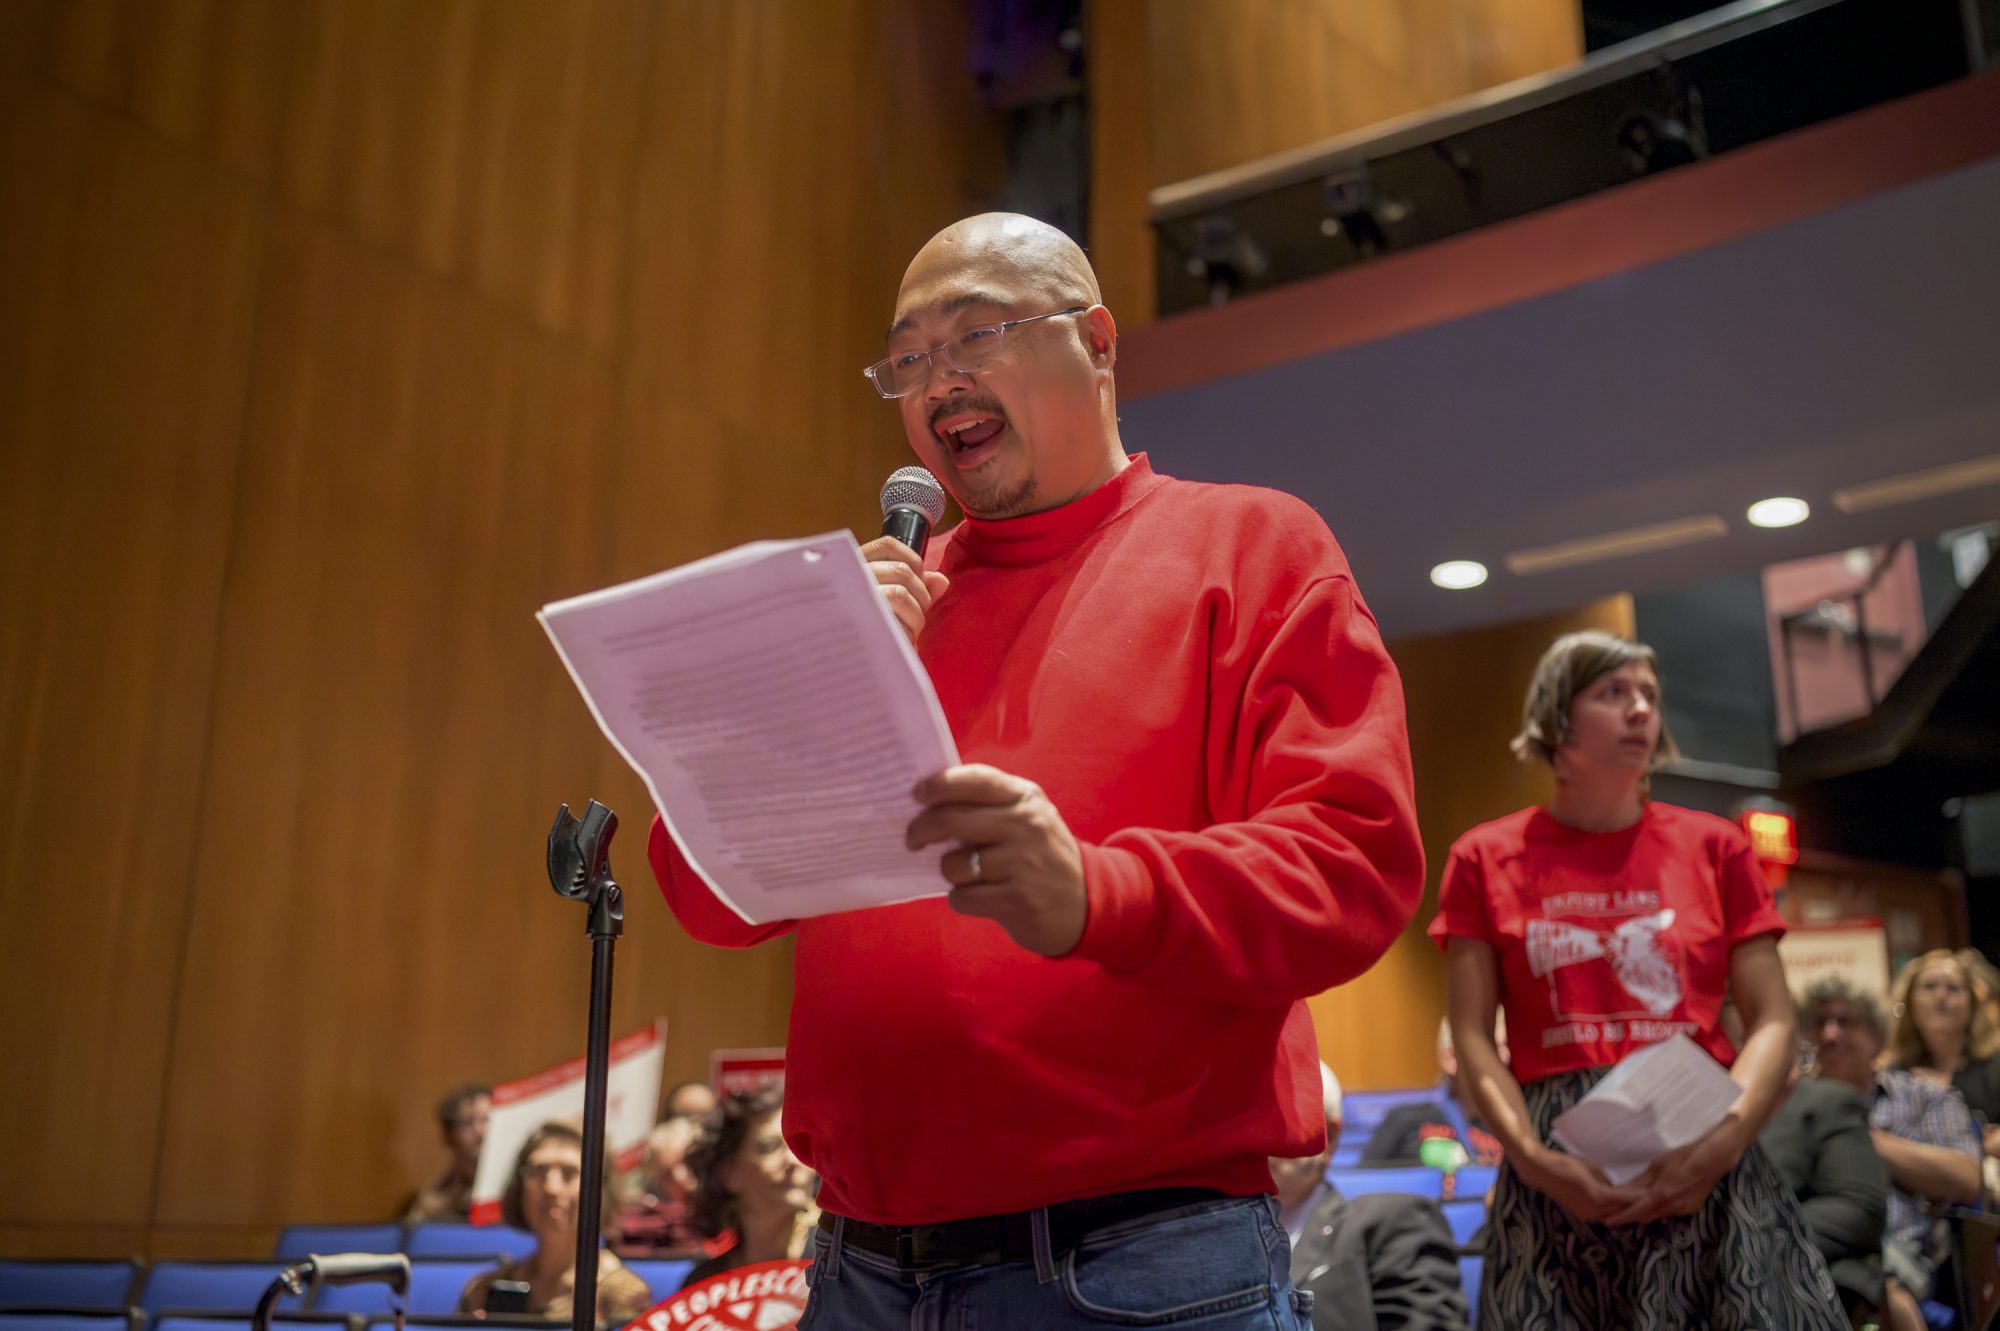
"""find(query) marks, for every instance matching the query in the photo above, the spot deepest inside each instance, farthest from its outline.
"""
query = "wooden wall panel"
(368, 922)
(835, 139)
(1117, 46)
(340, 335)
(1464, 694)
(491, 140)
(1233, 82)
(127, 283)
(427, 473)
(209, 74)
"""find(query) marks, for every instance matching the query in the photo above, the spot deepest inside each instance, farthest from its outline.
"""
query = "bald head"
(1011, 402)
(1006, 255)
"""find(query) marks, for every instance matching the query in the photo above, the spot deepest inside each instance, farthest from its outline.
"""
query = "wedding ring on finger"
(977, 877)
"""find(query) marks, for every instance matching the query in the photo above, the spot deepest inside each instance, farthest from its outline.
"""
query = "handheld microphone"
(912, 503)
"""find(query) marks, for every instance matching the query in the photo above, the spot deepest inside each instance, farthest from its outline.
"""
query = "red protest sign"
(745, 1071)
(632, 1099)
(750, 1298)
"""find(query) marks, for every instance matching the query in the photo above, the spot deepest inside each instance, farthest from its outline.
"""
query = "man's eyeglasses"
(972, 351)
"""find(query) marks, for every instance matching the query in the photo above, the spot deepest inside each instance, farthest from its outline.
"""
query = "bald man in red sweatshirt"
(1048, 1099)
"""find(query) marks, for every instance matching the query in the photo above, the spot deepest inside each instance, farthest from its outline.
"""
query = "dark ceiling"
(1839, 349)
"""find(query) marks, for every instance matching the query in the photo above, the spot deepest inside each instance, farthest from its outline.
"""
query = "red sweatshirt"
(1190, 674)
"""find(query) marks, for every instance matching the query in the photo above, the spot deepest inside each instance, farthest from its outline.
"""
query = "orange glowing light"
(1774, 836)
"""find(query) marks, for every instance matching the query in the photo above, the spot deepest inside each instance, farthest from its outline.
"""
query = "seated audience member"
(461, 1120)
(1399, 1138)
(693, 1100)
(1985, 983)
(1385, 1260)
(544, 1197)
(749, 1185)
(1944, 1031)
(1922, 1131)
(659, 1217)
(1820, 1144)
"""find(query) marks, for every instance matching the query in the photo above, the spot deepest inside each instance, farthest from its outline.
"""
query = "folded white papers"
(779, 717)
(1657, 1100)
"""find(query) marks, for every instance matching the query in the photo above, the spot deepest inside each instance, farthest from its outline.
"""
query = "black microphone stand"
(580, 869)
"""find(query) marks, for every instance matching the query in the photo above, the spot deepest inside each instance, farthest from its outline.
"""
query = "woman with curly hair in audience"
(749, 1184)
(1945, 1033)
(544, 1196)
(1607, 922)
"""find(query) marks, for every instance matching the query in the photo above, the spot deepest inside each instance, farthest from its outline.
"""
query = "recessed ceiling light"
(1458, 574)
(1783, 512)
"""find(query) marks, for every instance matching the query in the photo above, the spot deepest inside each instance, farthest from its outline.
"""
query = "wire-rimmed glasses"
(972, 350)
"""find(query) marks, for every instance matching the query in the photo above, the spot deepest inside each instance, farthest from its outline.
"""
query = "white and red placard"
(632, 1101)
(1855, 950)
(750, 1298)
(746, 1071)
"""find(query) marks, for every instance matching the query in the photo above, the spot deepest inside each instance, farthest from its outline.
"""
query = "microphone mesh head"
(913, 487)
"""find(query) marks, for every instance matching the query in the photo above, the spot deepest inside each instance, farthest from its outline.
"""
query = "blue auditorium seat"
(210, 1286)
(663, 1275)
(1465, 1218)
(192, 1321)
(70, 1283)
(467, 1241)
(1414, 1179)
(111, 1319)
(1474, 1181)
(304, 1240)
(435, 1284)
(1364, 1110)
(1469, 1271)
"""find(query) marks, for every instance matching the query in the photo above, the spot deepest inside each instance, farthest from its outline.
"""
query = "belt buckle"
(913, 1253)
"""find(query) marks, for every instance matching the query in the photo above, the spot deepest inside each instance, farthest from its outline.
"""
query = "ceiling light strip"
(1914, 485)
(1617, 545)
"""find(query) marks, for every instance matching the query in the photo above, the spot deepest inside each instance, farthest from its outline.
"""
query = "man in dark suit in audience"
(1922, 1131)
(461, 1118)
(1820, 1144)
(1383, 1262)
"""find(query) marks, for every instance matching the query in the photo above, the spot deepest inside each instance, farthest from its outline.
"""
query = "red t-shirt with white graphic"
(1606, 941)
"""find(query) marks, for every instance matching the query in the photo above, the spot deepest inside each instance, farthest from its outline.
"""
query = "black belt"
(988, 1240)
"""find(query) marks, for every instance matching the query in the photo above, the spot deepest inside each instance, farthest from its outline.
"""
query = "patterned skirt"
(1744, 1262)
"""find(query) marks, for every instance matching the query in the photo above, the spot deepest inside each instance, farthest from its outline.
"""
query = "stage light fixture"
(1354, 210)
(1226, 257)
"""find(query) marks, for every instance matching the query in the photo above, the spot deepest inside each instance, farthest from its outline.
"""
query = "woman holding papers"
(1606, 923)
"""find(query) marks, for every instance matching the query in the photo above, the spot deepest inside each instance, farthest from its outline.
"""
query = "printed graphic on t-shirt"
(1613, 966)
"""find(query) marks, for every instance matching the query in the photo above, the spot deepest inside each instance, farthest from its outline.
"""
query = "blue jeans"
(1213, 1266)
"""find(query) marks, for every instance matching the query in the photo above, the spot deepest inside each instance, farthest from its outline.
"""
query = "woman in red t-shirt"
(1605, 923)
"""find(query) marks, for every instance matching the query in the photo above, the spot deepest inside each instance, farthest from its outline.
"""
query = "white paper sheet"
(779, 717)
(1657, 1100)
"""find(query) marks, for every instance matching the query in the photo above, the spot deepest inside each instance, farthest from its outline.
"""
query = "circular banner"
(750, 1298)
